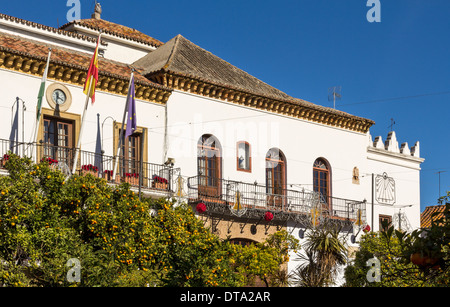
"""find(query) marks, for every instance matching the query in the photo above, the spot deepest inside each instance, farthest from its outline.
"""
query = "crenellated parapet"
(391, 144)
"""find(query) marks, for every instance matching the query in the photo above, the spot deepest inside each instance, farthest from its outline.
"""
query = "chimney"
(98, 11)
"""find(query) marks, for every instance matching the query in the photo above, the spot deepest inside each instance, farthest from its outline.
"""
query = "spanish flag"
(92, 76)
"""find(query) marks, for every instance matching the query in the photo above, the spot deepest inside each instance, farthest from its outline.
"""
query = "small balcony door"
(58, 140)
(209, 161)
(322, 182)
(130, 154)
(275, 177)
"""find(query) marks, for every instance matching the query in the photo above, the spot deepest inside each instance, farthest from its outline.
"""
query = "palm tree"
(324, 252)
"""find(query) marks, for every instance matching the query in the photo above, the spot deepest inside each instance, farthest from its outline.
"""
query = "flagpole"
(86, 104)
(77, 149)
(39, 106)
(119, 147)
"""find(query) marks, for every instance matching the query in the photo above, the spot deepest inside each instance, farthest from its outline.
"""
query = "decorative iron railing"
(246, 199)
(222, 196)
(154, 176)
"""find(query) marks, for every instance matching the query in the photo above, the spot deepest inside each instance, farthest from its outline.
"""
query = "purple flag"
(131, 116)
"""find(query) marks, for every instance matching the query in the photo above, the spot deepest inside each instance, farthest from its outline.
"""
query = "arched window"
(209, 165)
(322, 178)
(275, 172)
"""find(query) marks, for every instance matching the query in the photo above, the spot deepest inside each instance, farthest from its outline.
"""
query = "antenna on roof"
(440, 181)
(334, 93)
(391, 126)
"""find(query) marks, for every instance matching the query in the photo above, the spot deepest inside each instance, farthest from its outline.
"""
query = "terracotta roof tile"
(430, 214)
(182, 57)
(70, 58)
(116, 29)
(47, 28)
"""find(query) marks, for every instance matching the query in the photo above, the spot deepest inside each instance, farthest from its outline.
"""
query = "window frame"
(382, 217)
(327, 171)
(273, 189)
(125, 161)
(51, 144)
(209, 187)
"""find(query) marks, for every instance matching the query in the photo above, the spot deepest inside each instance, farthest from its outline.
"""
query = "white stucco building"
(236, 144)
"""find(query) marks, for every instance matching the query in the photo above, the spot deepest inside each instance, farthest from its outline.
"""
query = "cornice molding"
(288, 108)
(76, 75)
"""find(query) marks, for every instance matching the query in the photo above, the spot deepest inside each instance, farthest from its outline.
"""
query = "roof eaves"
(151, 42)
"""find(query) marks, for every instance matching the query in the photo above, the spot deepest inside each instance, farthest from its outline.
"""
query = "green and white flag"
(40, 97)
(42, 88)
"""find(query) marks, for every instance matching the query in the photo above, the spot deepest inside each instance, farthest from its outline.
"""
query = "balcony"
(252, 201)
(157, 180)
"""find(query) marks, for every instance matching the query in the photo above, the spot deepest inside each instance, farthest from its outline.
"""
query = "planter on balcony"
(160, 183)
(107, 175)
(89, 169)
(4, 160)
(53, 163)
(132, 179)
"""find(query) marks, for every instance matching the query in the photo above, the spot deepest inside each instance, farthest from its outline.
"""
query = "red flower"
(159, 179)
(367, 228)
(268, 216)
(201, 207)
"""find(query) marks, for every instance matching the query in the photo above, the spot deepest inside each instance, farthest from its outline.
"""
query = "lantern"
(268, 216)
(201, 207)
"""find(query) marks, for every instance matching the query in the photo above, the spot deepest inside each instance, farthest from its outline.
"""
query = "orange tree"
(47, 219)
(420, 258)
(266, 261)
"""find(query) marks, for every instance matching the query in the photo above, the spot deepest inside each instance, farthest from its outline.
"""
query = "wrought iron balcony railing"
(154, 176)
(252, 200)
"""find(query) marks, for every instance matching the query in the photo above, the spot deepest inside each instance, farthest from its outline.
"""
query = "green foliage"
(264, 261)
(394, 271)
(418, 259)
(47, 219)
(324, 252)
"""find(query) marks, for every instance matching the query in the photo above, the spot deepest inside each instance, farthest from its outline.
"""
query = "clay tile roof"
(116, 30)
(180, 56)
(47, 28)
(430, 214)
(70, 58)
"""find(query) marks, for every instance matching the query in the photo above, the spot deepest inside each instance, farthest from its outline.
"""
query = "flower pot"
(132, 180)
(84, 172)
(424, 261)
(159, 185)
(107, 175)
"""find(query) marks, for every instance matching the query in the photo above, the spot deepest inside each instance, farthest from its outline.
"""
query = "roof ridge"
(234, 67)
(93, 24)
(174, 49)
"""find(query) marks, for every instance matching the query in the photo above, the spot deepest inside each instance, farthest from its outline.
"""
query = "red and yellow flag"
(92, 76)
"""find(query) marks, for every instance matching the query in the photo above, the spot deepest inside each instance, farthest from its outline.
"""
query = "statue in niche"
(355, 178)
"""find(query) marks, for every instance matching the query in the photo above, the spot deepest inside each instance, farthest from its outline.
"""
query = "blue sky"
(398, 68)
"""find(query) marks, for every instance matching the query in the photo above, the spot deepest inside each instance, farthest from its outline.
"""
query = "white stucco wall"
(190, 116)
(26, 87)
